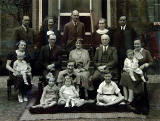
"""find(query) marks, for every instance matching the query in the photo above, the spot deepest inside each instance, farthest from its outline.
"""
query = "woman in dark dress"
(140, 99)
(18, 80)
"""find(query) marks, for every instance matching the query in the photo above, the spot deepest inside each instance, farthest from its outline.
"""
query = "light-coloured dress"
(49, 95)
(70, 92)
(82, 55)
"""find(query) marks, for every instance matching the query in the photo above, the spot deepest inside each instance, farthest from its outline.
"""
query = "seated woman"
(82, 59)
(145, 61)
(68, 93)
(108, 92)
(17, 78)
(96, 37)
(49, 95)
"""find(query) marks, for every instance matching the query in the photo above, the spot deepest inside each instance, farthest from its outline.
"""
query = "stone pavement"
(12, 110)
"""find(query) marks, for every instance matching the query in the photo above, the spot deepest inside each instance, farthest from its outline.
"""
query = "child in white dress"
(49, 95)
(131, 66)
(22, 67)
(68, 93)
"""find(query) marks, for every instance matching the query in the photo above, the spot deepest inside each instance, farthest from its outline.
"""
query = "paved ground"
(12, 110)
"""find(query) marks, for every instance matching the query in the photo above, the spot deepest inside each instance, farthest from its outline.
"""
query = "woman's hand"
(145, 65)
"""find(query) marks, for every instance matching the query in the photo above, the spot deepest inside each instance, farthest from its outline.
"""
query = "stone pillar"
(35, 15)
(0, 29)
(40, 13)
(109, 13)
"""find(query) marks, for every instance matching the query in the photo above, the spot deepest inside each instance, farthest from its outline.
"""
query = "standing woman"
(139, 99)
(102, 29)
(82, 59)
(18, 80)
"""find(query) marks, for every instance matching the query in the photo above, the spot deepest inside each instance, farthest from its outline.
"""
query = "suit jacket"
(124, 39)
(21, 34)
(47, 57)
(71, 34)
(112, 58)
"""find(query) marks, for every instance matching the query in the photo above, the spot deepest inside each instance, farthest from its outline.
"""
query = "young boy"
(131, 66)
(108, 92)
(49, 95)
(21, 66)
(68, 93)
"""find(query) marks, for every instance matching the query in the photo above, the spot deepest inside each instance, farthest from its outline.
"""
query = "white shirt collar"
(123, 27)
(24, 27)
(104, 31)
(74, 22)
(105, 48)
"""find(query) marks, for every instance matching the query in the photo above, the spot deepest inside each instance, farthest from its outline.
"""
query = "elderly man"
(50, 55)
(105, 60)
(124, 37)
(73, 30)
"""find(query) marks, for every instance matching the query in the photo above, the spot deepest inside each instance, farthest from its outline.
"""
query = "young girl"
(131, 66)
(21, 66)
(68, 93)
(49, 95)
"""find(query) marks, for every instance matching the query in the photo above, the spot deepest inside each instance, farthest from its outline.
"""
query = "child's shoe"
(25, 99)
(20, 99)
(67, 105)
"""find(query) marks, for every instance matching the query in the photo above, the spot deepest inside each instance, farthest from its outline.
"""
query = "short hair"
(102, 19)
(129, 51)
(73, 76)
(17, 44)
(71, 61)
(105, 35)
(108, 74)
(73, 11)
(123, 16)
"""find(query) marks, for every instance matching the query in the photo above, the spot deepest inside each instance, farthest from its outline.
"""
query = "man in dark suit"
(23, 32)
(105, 60)
(124, 37)
(49, 57)
(73, 30)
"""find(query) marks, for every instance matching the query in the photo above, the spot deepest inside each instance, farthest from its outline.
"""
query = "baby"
(68, 93)
(49, 95)
(131, 66)
(22, 67)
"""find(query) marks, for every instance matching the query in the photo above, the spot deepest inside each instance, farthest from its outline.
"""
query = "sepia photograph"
(80, 60)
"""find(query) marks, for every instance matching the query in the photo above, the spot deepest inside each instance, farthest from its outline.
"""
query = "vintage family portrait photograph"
(80, 60)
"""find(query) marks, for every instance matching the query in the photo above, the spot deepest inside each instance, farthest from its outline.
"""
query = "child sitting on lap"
(68, 93)
(22, 67)
(108, 92)
(131, 66)
(49, 95)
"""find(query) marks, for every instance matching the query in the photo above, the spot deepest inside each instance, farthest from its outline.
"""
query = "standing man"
(124, 37)
(105, 60)
(24, 32)
(73, 30)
